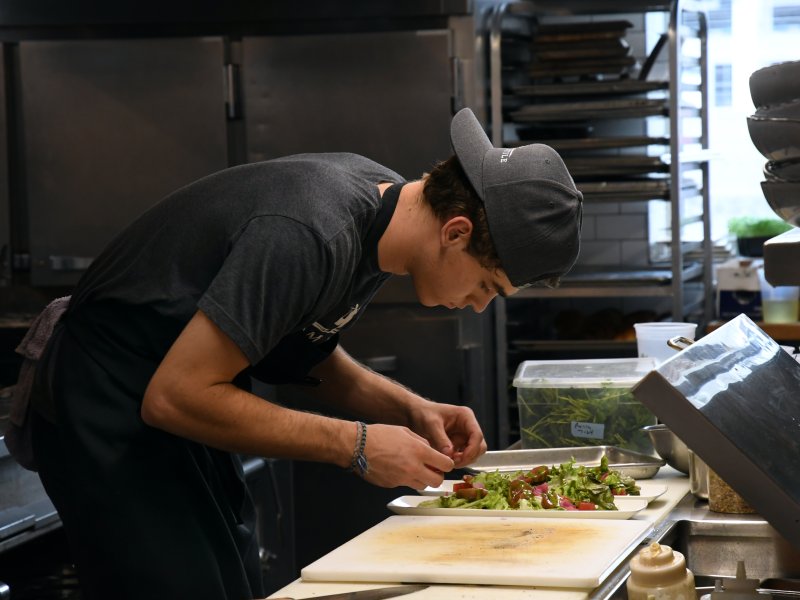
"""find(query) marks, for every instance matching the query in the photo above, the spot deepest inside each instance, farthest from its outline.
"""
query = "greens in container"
(583, 403)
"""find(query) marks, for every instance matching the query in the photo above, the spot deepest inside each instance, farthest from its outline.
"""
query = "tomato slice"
(462, 485)
(471, 493)
(586, 506)
(539, 474)
(621, 491)
(551, 500)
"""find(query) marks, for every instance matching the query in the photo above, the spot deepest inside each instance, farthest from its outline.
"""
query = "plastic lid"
(712, 396)
(586, 373)
(658, 566)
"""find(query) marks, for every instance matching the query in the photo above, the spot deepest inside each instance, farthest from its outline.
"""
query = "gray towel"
(17, 436)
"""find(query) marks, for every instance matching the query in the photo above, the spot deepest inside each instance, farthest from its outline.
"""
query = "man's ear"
(456, 231)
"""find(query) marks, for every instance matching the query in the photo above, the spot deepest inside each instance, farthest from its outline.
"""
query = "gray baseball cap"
(532, 205)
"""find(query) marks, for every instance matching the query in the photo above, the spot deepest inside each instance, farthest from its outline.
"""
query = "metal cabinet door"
(385, 95)
(107, 128)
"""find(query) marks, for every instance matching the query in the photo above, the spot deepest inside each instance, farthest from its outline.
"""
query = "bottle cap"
(658, 566)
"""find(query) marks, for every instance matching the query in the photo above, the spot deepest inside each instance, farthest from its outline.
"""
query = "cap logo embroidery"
(506, 154)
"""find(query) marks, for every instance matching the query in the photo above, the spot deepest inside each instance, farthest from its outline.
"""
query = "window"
(719, 18)
(757, 34)
(723, 92)
(786, 18)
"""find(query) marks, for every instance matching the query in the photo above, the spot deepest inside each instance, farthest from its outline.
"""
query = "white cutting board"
(478, 550)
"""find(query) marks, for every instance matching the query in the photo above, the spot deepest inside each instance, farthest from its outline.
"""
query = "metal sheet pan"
(645, 189)
(617, 275)
(634, 464)
(591, 144)
(591, 49)
(590, 88)
(610, 166)
(579, 32)
(609, 109)
(617, 66)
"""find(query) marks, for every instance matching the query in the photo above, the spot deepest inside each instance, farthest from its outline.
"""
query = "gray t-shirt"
(280, 251)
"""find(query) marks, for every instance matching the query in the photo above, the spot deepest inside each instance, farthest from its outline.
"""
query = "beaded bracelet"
(359, 464)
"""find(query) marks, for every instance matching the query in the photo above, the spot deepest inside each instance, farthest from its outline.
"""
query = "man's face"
(455, 279)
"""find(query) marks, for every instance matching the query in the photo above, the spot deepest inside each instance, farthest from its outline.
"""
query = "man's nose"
(480, 304)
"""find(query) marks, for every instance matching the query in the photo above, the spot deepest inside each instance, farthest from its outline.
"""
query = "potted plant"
(752, 232)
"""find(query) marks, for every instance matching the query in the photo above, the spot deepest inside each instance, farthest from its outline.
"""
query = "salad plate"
(648, 491)
(627, 506)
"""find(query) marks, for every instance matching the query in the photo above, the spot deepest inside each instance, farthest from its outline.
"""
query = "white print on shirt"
(318, 332)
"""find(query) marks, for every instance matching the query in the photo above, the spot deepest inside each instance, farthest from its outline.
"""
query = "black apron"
(148, 515)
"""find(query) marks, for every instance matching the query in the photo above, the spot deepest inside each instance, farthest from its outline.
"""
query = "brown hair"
(449, 194)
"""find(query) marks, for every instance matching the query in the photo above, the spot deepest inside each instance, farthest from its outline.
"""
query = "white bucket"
(652, 338)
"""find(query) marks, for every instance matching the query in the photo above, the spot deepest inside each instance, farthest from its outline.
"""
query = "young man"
(140, 407)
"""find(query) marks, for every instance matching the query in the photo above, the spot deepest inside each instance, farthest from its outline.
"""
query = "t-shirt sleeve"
(274, 274)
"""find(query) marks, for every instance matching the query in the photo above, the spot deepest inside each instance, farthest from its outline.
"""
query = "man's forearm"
(231, 419)
(191, 395)
(360, 391)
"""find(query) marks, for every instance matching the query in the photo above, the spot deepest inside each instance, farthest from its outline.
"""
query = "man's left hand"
(452, 430)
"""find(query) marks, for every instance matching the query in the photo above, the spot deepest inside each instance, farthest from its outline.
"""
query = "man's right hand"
(399, 457)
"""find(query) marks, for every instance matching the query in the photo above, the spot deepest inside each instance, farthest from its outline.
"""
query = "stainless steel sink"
(713, 548)
(713, 544)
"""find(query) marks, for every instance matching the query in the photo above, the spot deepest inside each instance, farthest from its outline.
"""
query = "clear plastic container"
(588, 402)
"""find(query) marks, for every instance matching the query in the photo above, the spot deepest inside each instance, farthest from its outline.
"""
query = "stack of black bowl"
(775, 131)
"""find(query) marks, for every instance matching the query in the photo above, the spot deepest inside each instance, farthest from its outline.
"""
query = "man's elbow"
(157, 409)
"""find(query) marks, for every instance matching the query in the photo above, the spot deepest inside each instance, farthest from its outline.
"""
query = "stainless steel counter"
(658, 512)
(25, 510)
(713, 544)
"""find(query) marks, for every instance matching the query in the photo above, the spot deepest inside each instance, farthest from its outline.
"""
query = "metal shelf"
(588, 7)
(683, 184)
(618, 347)
(683, 24)
(629, 289)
